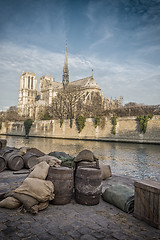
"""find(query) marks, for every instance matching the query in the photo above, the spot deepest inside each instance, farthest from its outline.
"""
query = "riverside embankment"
(71, 221)
(126, 130)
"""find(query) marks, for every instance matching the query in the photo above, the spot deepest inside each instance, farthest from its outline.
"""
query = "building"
(31, 100)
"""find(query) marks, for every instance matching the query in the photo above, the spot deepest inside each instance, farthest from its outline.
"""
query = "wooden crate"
(147, 202)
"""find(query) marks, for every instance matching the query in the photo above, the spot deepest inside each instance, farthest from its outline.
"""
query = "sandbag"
(26, 200)
(40, 170)
(41, 190)
(61, 155)
(105, 171)
(51, 160)
(85, 155)
(120, 196)
(38, 207)
(22, 151)
(10, 203)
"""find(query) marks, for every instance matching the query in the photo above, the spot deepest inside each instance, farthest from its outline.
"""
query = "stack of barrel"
(88, 181)
(3, 143)
(16, 159)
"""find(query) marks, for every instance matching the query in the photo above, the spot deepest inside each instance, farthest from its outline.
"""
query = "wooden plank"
(147, 203)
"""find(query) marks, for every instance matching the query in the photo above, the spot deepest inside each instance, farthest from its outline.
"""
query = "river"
(138, 160)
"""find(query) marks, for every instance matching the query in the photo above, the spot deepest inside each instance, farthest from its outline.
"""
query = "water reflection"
(140, 160)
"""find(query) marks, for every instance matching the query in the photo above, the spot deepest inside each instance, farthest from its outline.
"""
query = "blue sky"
(118, 39)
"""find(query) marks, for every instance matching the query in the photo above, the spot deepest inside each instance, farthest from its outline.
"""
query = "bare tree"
(67, 103)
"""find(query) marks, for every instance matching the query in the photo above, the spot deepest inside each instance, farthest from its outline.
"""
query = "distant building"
(30, 100)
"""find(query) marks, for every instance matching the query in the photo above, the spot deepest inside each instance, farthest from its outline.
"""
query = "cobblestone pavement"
(71, 221)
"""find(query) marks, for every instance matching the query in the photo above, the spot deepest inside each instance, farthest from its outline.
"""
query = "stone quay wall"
(127, 130)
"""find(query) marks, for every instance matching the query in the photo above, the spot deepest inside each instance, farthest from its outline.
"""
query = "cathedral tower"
(27, 94)
(65, 80)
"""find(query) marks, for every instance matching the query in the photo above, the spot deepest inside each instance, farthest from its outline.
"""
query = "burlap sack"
(38, 207)
(51, 160)
(85, 155)
(26, 200)
(41, 190)
(40, 171)
(105, 171)
(10, 202)
(22, 151)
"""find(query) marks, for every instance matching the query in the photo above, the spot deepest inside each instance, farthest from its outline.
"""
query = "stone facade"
(27, 94)
(31, 101)
(127, 130)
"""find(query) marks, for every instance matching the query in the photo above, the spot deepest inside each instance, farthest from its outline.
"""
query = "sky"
(118, 39)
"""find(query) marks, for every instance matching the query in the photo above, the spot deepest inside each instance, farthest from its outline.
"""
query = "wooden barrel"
(30, 159)
(3, 143)
(3, 163)
(63, 181)
(6, 150)
(88, 186)
(15, 161)
(87, 164)
(36, 151)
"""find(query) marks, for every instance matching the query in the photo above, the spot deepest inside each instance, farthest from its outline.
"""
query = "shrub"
(80, 122)
(61, 122)
(27, 125)
(103, 122)
(71, 123)
(143, 120)
(97, 121)
(114, 122)
(0, 125)
(46, 116)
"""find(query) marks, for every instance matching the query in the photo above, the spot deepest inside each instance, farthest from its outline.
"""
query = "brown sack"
(38, 207)
(105, 171)
(51, 160)
(40, 171)
(10, 202)
(85, 155)
(41, 190)
(26, 200)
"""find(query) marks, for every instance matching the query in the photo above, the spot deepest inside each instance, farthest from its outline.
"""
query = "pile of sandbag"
(35, 192)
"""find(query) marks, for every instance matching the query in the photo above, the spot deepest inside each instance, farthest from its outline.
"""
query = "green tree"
(27, 125)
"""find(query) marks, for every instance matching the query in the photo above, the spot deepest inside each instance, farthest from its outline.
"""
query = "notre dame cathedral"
(31, 100)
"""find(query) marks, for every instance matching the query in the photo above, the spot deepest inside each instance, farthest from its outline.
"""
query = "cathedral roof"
(57, 85)
(88, 82)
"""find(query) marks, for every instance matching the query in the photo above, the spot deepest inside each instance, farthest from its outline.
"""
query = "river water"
(138, 160)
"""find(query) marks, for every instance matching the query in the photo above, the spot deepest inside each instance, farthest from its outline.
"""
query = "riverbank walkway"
(71, 221)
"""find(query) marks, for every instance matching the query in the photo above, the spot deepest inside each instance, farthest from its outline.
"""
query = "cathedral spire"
(65, 70)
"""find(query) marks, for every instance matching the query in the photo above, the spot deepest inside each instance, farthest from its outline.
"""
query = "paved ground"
(71, 221)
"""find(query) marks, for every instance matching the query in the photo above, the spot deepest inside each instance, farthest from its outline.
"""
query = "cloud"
(136, 81)
(102, 40)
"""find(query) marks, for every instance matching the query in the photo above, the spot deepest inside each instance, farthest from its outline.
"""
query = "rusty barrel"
(63, 181)
(15, 161)
(88, 186)
(3, 143)
(30, 159)
(3, 163)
